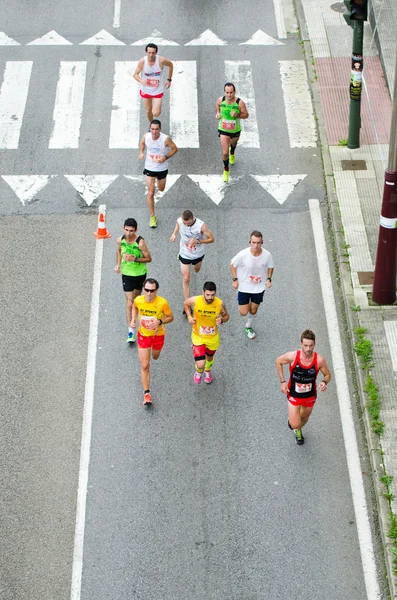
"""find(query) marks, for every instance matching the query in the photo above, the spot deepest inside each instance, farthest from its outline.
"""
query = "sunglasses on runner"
(150, 291)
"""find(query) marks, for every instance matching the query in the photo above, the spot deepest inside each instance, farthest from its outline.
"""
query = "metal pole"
(384, 288)
(356, 81)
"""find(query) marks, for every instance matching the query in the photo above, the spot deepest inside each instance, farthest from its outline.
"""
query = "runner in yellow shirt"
(205, 313)
(154, 312)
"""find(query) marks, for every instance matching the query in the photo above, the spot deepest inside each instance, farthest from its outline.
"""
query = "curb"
(348, 301)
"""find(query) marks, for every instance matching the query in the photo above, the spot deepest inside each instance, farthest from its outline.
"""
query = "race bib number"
(228, 125)
(148, 322)
(303, 388)
(207, 330)
(152, 83)
(191, 248)
(255, 280)
(155, 157)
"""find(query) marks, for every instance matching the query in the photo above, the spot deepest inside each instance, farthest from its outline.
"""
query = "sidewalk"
(355, 195)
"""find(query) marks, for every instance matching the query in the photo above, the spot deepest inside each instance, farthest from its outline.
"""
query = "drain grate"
(354, 165)
(339, 7)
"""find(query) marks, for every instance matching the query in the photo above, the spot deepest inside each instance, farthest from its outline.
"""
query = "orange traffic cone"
(102, 232)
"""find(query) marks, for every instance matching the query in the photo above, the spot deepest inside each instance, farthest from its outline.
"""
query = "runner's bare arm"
(322, 365)
(233, 271)
(172, 146)
(243, 110)
(164, 62)
(168, 316)
(209, 237)
(188, 305)
(176, 229)
(142, 146)
(284, 359)
(224, 315)
(138, 71)
(118, 255)
(269, 277)
(218, 108)
(146, 258)
(134, 315)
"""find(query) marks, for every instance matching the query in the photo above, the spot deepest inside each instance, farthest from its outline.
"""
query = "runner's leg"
(156, 107)
(305, 412)
(185, 270)
(144, 357)
(147, 102)
(150, 182)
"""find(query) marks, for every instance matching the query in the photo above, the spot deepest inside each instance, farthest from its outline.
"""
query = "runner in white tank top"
(159, 149)
(150, 75)
(194, 235)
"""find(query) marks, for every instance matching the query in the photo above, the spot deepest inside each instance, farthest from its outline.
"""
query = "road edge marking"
(85, 449)
(345, 408)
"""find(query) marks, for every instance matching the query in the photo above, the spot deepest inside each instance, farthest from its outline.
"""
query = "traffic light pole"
(384, 288)
(353, 140)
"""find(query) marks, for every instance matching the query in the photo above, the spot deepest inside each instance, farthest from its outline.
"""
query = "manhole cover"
(354, 165)
(339, 7)
(366, 277)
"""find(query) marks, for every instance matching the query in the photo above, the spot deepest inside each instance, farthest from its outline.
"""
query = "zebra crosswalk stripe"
(68, 108)
(124, 120)
(13, 96)
(184, 105)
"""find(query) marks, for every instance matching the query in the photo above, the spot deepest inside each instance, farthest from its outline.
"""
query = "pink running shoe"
(197, 377)
(207, 376)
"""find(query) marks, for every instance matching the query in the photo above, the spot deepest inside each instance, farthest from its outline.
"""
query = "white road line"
(13, 96)
(278, 13)
(239, 72)
(345, 408)
(85, 450)
(124, 121)
(298, 104)
(184, 105)
(117, 12)
(68, 107)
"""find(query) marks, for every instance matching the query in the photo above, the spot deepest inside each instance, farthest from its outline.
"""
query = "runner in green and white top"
(229, 111)
(132, 256)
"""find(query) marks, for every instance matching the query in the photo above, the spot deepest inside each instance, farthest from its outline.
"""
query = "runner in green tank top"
(132, 256)
(229, 111)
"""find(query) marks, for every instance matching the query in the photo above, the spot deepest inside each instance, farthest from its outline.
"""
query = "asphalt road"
(206, 496)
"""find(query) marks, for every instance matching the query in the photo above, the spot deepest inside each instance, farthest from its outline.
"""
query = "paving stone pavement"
(355, 198)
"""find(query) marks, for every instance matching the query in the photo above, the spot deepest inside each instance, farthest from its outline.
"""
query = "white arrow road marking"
(90, 186)
(171, 179)
(240, 73)
(214, 186)
(52, 38)
(7, 41)
(26, 187)
(124, 121)
(13, 95)
(298, 104)
(279, 186)
(184, 105)
(260, 38)
(207, 38)
(68, 107)
(155, 38)
(102, 38)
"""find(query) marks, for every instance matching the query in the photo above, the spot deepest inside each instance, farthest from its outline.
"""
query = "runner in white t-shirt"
(252, 270)
(194, 233)
(159, 149)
